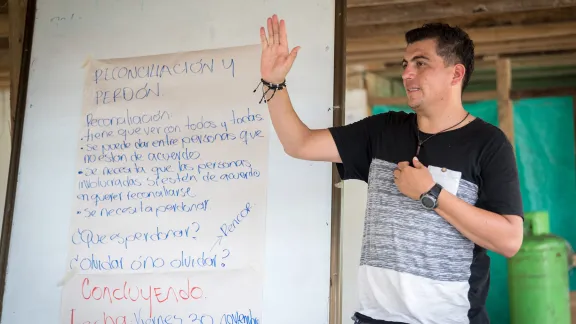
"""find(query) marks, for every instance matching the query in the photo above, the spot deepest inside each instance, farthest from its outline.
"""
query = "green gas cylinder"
(538, 275)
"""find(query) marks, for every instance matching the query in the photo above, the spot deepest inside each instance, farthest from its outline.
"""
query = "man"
(442, 185)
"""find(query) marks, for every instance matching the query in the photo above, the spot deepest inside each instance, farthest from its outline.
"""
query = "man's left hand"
(413, 181)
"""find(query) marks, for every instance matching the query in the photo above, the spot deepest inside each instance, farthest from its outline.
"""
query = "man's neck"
(437, 119)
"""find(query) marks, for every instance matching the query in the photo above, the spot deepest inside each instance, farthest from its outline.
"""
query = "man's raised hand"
(276, 60)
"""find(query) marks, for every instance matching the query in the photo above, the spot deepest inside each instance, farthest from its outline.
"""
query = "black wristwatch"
(429, 199)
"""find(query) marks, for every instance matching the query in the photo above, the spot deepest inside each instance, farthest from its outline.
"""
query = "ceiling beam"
(474, 96)
(526, 74)
(368, 3)
(387, 14)
(403, 100)
(534, 93)
(467, 22)
(495, 48)
(522, 62)
(478, 35)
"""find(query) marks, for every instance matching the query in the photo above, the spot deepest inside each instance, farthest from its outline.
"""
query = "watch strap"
(435, 190)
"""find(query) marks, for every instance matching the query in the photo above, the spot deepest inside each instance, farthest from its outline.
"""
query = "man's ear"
(459, 73)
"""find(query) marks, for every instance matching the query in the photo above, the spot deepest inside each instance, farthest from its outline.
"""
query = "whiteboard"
(70, 34)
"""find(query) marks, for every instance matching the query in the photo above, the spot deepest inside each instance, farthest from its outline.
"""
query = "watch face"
(428, 202)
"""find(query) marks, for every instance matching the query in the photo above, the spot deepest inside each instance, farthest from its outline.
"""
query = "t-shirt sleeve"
(500, 187)
(355, 145)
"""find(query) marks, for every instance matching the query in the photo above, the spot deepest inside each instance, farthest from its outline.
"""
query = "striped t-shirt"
(415, 267)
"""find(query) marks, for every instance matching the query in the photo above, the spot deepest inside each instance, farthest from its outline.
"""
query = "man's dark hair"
(453, 45)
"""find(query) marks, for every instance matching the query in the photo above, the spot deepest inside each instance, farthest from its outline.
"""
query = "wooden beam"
(4, 26)
(466, 97)
(479, 20)
(368, 3)
(536, 93)
(389, 14)
(518, 64)
(5, 79)
(532, 61)
(17, 19)
(478, 35)
(505, 107)
(338, 119)
(527, 74)
(495, 48)
(5, 65)
(484, 95)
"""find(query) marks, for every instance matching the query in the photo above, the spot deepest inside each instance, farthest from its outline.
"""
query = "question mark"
(224, 257)
(197, 228)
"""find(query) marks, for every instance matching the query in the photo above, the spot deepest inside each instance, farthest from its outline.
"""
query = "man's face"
(427, 79)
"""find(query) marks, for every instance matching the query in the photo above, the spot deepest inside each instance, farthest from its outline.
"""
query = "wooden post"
(377, 86)
(338, 119)
(505, 107)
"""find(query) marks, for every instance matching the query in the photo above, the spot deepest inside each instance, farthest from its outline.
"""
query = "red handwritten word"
(149, 293)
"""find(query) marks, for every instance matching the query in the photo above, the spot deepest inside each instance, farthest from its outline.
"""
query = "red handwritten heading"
(132, 293)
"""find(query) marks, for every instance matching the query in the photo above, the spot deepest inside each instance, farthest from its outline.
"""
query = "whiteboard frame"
(339, 117)
(339, 91)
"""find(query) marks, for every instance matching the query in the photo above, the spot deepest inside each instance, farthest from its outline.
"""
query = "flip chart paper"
(170, 202)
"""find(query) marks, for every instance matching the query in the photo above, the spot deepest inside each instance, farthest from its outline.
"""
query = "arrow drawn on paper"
(218, 241)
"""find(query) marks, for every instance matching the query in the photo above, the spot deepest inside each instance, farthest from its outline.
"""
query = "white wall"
(353, 209)
(5, 147)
